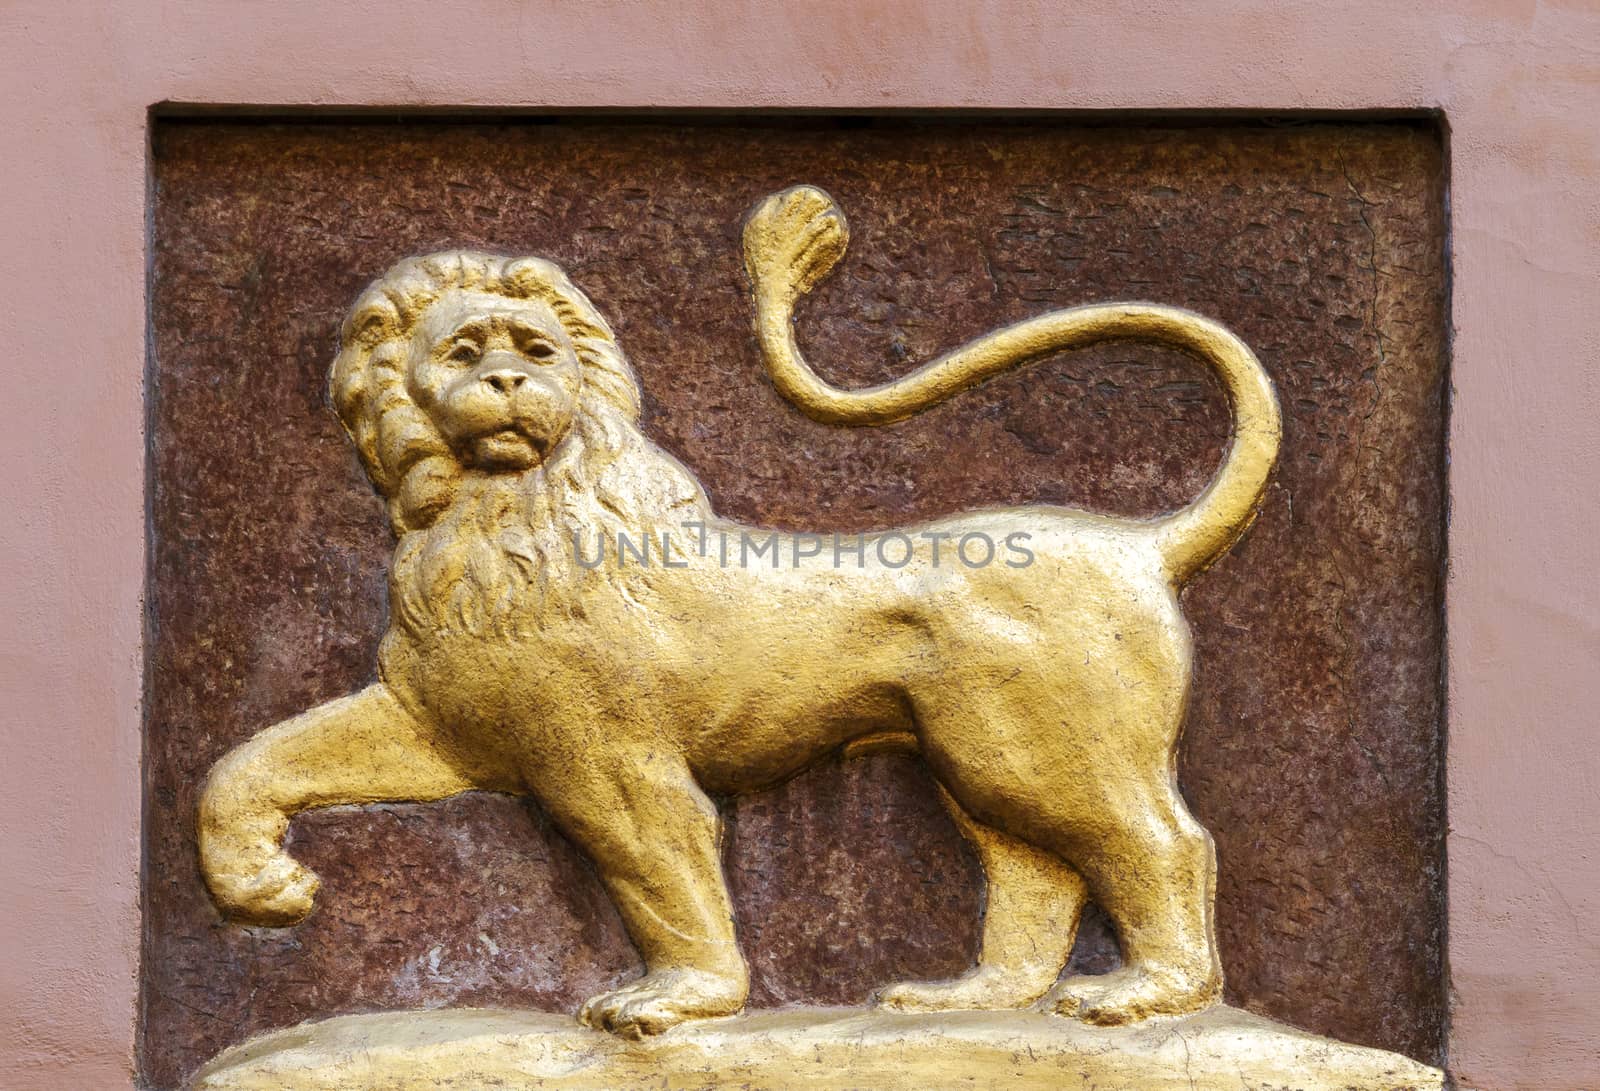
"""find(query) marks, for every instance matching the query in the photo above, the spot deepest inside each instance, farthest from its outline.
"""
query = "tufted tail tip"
(792, 239)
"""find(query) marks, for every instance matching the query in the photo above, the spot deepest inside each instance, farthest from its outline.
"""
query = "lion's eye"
(465, 351)
(538, 349)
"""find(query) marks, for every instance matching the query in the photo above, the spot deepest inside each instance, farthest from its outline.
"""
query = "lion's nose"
(506, 379)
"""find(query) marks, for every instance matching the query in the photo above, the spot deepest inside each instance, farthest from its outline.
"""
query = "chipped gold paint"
(498, 418)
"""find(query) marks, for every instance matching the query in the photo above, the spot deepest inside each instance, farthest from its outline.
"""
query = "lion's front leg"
(653, 837)
(365, 748)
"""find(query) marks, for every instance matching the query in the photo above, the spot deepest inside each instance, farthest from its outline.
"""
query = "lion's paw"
(983, 988)
(794, 238)
(1131, 994)
(278, 894)
(661, 1000)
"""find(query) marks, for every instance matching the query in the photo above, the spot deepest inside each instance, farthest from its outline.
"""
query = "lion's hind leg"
(364, 748)
(1074, 754)
(1152, 868)
(1030, 919)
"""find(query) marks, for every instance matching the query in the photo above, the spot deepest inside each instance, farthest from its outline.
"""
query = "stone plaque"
(1312, 743)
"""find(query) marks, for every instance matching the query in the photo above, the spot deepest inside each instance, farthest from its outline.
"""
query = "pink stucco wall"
(1519, 81)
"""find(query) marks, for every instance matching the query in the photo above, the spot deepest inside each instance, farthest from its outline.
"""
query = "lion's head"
(497, 416)
(459, 364)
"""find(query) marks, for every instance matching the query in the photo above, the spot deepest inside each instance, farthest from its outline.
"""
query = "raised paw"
(793, 238)
(1131, 994)
(662, 999)
(278, 894)
(983, 988)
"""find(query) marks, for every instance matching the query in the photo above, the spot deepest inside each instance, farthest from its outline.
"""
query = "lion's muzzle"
(503, 417)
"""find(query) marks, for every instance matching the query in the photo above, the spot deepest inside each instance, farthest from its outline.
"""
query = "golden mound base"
(468, 1050)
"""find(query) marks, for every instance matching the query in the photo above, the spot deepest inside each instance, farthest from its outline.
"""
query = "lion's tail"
(792, 240)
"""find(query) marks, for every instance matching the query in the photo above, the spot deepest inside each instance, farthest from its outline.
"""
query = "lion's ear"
(373, 321)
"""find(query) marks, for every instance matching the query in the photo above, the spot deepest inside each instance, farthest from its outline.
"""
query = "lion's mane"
(471, 544)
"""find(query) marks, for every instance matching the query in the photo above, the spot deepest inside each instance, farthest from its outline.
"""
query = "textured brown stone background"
(1313, 746)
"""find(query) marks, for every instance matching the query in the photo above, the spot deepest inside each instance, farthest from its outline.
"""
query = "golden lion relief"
(498, 418)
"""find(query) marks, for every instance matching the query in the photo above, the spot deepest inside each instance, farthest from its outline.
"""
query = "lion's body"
(751, 670)
(1045, 686)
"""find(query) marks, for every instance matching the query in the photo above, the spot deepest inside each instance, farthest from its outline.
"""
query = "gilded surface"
(1310, 746)
(495, 413)
(497, 417)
